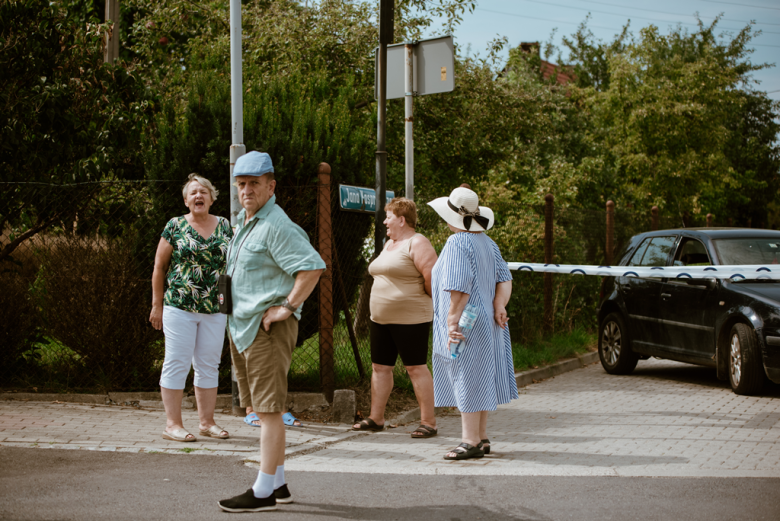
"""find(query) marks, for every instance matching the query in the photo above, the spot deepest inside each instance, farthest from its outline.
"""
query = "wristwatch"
(286, 304)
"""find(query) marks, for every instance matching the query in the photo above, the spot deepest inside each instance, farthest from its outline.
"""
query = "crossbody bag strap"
(239, 248)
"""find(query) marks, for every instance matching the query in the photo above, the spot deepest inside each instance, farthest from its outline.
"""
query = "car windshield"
(748, 251)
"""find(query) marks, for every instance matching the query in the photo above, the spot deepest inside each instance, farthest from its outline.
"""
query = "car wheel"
(615, 347)
(746, 372)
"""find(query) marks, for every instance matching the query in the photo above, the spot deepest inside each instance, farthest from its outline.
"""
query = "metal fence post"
(710, 218)
(610, 232)
(548, 258)
(654, 211)
(325, 240)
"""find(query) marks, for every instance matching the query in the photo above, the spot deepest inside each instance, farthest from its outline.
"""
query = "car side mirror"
(709, 282)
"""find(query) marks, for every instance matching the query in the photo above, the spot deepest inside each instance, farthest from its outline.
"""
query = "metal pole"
(409, 120)
(610, 232)
(237, 149)
(111, 51)
(549, 210)
(386, 8)
(380, 184)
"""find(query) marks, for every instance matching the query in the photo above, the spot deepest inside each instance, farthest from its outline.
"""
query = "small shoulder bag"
(225, 292)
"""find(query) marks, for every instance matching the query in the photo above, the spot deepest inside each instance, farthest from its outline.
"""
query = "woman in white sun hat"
(470, 270)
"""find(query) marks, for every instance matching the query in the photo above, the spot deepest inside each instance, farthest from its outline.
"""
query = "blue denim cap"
(253, 163)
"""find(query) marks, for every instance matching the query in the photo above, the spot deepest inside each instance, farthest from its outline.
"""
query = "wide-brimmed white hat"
(461, 209)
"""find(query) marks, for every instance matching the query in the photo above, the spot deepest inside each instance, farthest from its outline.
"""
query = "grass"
(549, 350)
(51, 352)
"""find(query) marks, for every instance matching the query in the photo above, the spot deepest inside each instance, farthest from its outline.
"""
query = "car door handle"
(666, 295)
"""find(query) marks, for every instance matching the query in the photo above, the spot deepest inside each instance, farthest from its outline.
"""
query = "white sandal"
(215, 431)
(179, 435)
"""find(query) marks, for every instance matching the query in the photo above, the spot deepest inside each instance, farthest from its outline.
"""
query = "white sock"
(264, 485)
(279, 477)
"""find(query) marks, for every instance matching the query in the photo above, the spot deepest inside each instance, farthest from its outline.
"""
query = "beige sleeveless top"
(398, 294)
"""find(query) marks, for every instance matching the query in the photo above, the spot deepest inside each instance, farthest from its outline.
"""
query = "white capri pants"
(192, 339)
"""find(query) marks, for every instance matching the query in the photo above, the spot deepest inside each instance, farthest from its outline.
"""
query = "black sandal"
(424, 431)
(485, 445)
(368, 425)
(465, 451)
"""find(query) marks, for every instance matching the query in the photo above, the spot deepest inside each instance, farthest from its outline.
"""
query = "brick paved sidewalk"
(130, 429)
(667, 419)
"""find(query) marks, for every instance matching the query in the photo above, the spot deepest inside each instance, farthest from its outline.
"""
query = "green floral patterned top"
(195, 265)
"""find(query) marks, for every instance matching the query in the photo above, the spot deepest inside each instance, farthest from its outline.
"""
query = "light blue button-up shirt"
(265, 255)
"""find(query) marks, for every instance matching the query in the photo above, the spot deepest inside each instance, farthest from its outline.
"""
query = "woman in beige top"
(401, 315)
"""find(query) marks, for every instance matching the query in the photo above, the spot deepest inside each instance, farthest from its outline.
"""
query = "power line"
(621, 14)
(543, 19)
(673, 14)
(577, 24)
(741, 5)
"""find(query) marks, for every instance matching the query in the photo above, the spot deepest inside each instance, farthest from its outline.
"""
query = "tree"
(65, 116)
(753, 152)
(665, 120)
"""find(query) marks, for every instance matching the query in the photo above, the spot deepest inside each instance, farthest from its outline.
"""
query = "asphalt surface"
(89, 485)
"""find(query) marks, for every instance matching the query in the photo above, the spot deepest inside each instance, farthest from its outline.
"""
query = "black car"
(733, 326)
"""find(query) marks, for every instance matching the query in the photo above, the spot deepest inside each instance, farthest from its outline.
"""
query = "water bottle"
(465, 324)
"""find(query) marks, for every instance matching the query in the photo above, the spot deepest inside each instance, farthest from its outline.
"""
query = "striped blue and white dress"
(483, 376)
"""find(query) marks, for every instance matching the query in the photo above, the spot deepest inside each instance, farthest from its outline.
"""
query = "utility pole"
(111, 51)
(386, 8)
(237, 149)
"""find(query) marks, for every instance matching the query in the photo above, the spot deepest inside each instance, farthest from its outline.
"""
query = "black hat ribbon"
(468, 216)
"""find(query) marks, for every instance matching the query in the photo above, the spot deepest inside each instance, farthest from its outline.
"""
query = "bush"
(97, 306)
(21, 321)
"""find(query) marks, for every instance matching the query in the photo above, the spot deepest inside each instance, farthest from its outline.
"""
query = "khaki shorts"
(261, 369)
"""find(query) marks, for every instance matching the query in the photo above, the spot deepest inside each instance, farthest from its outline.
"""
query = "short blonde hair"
(403, 207)
(204, 182)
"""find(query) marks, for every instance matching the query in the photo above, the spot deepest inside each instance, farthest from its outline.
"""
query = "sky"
(534, 20)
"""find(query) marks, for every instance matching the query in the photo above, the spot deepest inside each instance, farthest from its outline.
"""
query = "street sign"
(433, 67)
(359, 199)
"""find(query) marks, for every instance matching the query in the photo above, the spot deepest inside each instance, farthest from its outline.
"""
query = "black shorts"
(408, 340)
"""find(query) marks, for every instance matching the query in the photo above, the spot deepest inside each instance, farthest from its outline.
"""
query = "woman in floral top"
(190, 257)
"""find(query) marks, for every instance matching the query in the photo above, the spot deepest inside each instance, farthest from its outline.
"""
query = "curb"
(564, 366)
(523, 379)
(153, 400)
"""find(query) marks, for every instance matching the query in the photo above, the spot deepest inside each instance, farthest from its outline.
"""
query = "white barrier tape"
(741, 272)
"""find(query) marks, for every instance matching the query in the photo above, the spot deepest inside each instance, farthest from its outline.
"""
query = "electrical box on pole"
(417, 68)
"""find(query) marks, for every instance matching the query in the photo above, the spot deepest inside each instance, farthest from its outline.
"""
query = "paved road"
(669, 441)
(87, 485)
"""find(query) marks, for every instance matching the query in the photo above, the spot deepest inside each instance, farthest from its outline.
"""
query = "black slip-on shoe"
(247, 502)
(282, 494)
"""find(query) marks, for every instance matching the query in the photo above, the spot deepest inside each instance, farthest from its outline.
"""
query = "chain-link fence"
(76, 264)
(75, 285)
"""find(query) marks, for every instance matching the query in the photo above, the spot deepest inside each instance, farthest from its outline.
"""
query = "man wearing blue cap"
(273, 269)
